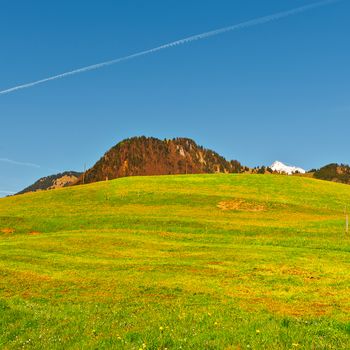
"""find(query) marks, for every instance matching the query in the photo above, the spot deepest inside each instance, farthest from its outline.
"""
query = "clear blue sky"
(274, 91)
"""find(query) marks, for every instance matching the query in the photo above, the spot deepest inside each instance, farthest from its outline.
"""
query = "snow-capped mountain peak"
(283, 168)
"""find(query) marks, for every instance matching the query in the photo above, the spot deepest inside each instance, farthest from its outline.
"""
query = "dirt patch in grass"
(8, 230)
(297, 309)
(34, 233)
(241, 205)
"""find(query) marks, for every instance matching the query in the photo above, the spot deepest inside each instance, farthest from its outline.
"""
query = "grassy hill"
(177, 262)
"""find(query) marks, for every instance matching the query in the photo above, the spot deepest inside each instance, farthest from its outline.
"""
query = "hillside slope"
(151, 156)
(334, 172)
(51, 182)
(194, 262)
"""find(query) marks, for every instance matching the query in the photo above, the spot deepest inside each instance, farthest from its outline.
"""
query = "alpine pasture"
(177, 262)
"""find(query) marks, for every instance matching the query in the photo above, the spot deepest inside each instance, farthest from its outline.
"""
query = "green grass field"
(177, 262)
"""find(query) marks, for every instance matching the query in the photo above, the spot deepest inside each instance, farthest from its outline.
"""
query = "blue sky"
(274, 91)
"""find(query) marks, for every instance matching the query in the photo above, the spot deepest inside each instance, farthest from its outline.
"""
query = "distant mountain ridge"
(139, 156)
(334, 172)
(64, 179)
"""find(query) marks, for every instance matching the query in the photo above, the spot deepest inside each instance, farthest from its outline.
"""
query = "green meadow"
(177, 262)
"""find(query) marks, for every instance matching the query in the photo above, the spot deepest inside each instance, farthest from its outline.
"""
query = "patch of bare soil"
(34, 233)
(241, 205)
(8, 230)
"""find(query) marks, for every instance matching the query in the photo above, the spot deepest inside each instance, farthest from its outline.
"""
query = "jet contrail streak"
(14, 162)
(7, 192)
(243, 25)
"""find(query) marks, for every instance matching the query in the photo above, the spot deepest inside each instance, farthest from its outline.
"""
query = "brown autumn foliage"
(150, 156)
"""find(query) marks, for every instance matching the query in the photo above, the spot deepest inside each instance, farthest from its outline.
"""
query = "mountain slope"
(151, 156)
(334, 172)
(53, 181)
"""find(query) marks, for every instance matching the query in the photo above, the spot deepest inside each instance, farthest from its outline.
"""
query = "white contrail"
(14, 162)
(7, 192)
(27, 164)
(251, 23)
